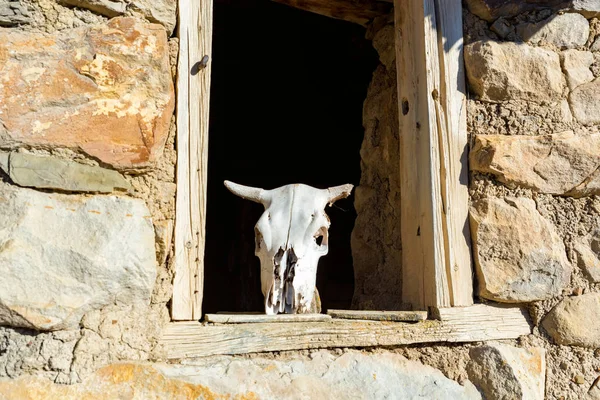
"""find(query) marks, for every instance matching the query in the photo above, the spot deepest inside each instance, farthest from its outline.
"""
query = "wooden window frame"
(435, 236)
(194, 67)
(437, 263)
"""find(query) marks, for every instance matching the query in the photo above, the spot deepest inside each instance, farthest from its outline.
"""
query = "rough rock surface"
(502, 28)
(565, 31)
(53, 173)
(350, 376)
(162, 11)
(112, 334)
(518, 117)
(585, 102)
(588, 256)
(62, 256)
(561, 164)
(502, 71)
(503, 372)
(492, 9)
(519, 257)
(163, 231)
(49, 354)
(595, 45)
(105, 90)
(13, 13)
(110, 8)
(574, 321)
(377, 198)
(576, 65)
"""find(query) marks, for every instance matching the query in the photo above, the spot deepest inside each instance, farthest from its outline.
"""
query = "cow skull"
(291, 236)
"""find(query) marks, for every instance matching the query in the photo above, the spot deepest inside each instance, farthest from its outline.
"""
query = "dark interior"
(286, 107)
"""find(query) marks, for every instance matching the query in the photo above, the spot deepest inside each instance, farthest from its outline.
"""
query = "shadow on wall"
(286, 107)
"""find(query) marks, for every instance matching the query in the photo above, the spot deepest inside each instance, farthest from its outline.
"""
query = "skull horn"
(246, 192)
(338, 192)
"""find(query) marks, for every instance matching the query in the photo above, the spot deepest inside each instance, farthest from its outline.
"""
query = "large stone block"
(519, 257)
(62, 256)
(574, 321)
(46, 172)
(561, 164)
(161, 11)
(565, 31)
(492, 9)
(585, 102)
(110, 8)
(350, 376)
(501, 71)
(105, 90)
(587, 250)
(576, 65)
(503, 372)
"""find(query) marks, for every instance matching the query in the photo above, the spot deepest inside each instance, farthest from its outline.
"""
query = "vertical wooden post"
(193, 100)
(436, 259)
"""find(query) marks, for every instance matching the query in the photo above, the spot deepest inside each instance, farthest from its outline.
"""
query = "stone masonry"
(87, 198)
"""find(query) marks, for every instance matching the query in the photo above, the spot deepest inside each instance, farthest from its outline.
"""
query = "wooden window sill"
(456, 325)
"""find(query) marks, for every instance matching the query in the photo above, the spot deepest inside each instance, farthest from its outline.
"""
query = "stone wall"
(87, 192)
(86, 183)
(533, 121)
(376, 248)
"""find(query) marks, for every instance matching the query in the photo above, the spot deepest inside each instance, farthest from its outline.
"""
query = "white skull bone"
(291, 236)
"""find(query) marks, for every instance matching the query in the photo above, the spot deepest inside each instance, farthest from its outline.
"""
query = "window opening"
(286, 107)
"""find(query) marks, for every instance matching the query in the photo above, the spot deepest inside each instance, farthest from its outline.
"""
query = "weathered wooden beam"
(402, 316)
(192, 339)
(193, 99)
(451, 117)
(479, 312)
(252, 318)
(357, 11)
(436, 257)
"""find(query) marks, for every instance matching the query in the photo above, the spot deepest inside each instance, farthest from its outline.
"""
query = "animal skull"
(291, 236)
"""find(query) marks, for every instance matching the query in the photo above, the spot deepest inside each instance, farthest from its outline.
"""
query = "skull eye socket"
(321, 237)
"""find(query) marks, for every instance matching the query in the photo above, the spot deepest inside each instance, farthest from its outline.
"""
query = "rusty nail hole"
(418, 125)
(405, 106)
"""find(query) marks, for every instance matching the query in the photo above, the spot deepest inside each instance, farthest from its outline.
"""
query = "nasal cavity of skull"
(286, 301)
(288, 289)
(277, 264)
